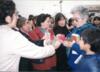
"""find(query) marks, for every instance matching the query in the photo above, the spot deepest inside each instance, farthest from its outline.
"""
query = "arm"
(22, 47)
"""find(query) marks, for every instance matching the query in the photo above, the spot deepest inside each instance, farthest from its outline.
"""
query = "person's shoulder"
(89, 60)
(7, 30)
(90, 25)
(86, 26)
(93, 57)
(15, 33)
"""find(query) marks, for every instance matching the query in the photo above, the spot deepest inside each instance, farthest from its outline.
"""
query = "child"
(90, 43)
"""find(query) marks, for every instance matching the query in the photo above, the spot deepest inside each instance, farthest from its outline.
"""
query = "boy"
(90, 43)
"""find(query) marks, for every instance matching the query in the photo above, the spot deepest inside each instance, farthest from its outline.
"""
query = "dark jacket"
(89, 63)
(62, 64)
(60, 30)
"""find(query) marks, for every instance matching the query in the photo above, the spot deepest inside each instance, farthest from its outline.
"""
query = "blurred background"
(36, 7)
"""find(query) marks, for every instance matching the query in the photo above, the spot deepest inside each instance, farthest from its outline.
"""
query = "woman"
(43, 30)
(60, 24)
(24, 27)
(13, 45)
(60, 28)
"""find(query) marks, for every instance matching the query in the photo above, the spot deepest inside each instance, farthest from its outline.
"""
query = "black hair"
(92, 37)
(96, 18)
(41, 18)
(58, 17)
(7, 8)
(91, 14)
(70, 21)
(31, 17)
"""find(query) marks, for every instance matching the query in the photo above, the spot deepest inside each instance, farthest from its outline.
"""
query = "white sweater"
(13, 46)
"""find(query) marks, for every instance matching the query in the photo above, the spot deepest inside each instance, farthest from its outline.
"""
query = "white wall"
(35, 7)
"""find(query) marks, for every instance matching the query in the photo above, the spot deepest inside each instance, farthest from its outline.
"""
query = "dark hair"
(92, 37)
(70, 21)
(41, 18)
(31, 17)
(58, 17)
(96, 18)
(21, 22)
(7, 8)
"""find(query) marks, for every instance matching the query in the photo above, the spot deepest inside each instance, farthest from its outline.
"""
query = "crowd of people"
(46, 43)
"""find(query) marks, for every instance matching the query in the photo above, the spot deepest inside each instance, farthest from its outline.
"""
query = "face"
(74, 23)
(61, 22)
(97, 22)
(78, 20)
(83, 46)
(46, 24)
(27, 26)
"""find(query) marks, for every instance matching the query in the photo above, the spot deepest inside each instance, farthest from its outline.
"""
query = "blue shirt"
(89, 63)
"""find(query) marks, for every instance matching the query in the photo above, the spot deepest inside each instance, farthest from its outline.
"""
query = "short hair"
(83, 11)
(92, 37)
(7, 8)
(70, 21)
(96, 18)
(58, 17)
(21, 22)
(41, 18)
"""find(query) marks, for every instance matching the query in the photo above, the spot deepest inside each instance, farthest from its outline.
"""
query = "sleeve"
(22, 47)
(76, 47)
